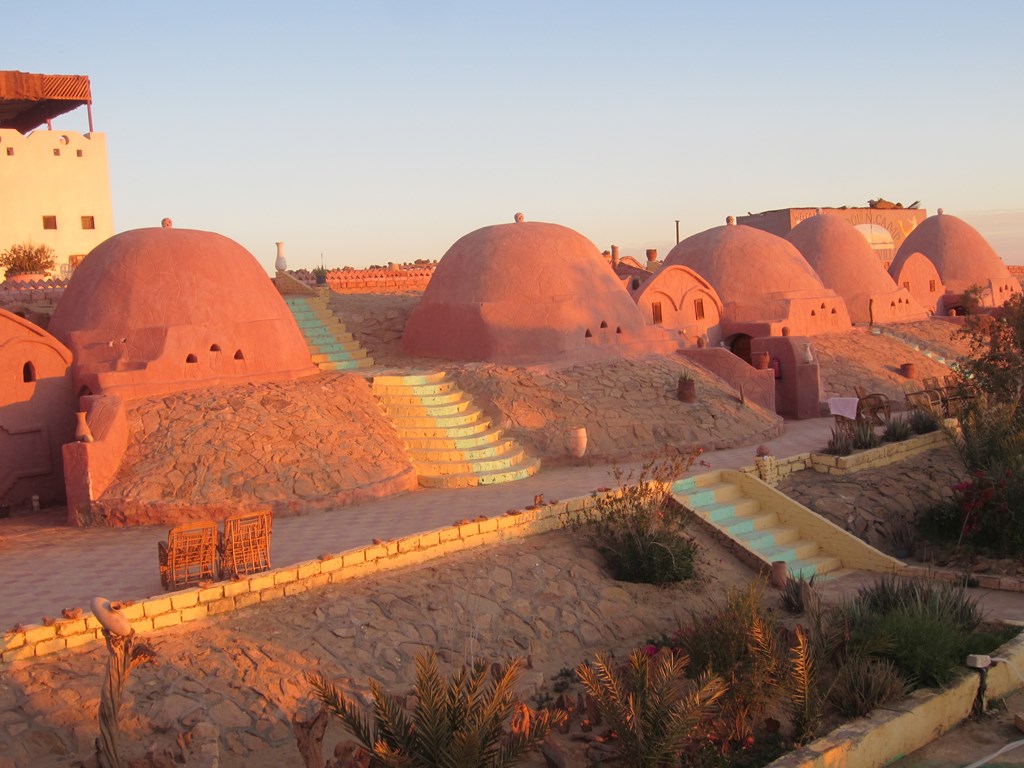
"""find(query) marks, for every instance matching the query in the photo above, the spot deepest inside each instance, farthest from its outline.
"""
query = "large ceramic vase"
(578, 442)
(759, 360)
(82, 432)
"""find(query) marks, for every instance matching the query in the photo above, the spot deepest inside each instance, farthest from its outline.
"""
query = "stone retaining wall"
(198, 603)
(873, 458)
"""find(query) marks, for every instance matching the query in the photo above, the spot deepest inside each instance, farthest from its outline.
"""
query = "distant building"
(885, 228)
(54, 185)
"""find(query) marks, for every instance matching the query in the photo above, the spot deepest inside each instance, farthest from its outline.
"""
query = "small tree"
(27, 258)
(996, 361)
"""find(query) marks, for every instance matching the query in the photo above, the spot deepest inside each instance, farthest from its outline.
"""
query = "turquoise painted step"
(470, 479)
(398, 401)
(345, 354)
(764, 538)
(814, 566)
(462, 419)
(407, 379)
(346, 365)
(387, 391)
(735, 508)
(462, 443)
(456, 466)
(335, 345)
(463, 431)
(791, 551)
(449, 408)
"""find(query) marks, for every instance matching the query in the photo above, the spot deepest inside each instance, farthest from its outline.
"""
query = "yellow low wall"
(886, 735)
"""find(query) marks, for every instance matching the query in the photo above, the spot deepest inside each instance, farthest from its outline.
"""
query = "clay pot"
(759, 360)
(908, 371)
(27, 277)
(687, 391)
(82, 432)
(808, 355)
(780, 574)
(578, 442)
(280, 264)
(110, 616)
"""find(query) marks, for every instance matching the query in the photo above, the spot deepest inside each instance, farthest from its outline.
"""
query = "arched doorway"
(739, 345)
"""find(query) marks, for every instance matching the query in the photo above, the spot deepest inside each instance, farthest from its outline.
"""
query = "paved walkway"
(46, 566)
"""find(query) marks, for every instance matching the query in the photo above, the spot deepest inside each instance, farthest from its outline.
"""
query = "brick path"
(46, 566)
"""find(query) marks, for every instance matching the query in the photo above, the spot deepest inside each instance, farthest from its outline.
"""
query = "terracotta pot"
(687, 391)
(82, 432)
(780, 574)
(578, 442)
(907, 370)
(759, 360)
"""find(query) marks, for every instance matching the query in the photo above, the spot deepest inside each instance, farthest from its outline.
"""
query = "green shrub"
(840, 443)
(925, 649)
(863, 684)
(472, 718)
(798, 596)
(864, 436)
(896, 431)
(951, 603)
(639, 529)
(922, 422)
(737, 640)
(27, 258)
(649, 704)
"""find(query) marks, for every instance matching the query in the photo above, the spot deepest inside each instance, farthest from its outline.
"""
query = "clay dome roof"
(150, 293)
(841, 256)
(744, 264)
(960, 254)
(521, 291)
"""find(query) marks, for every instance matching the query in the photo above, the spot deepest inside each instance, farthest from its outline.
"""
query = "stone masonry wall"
(287, 446)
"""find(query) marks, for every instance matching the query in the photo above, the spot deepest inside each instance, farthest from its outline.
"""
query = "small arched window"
(215, 347)
(191, 359)
(28, 372)
(239, 355)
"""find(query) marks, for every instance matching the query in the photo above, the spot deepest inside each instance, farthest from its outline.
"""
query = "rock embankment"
(881, 506)
(288, 446)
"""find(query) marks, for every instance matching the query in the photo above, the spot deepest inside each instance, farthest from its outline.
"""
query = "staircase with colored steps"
(331, 346)
(770, 527)
(452, 443)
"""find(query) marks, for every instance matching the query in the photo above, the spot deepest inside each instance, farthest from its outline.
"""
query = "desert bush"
(650, 704)
(26, 258)
(472, 718)
(638, 528)
(840, 443)
(924, 627)
(864, 436)
(864, 683)
(739, 641)
(922, 422)
(799, 596)
(995, 364)
(896, 431)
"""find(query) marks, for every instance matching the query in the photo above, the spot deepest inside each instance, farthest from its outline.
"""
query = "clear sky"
(384, 130)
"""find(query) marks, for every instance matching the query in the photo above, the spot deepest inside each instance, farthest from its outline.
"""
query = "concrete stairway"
(452, 443)
(769, 526)
(331, 346)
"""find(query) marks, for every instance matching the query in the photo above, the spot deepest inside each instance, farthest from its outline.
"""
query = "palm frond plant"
(471, 718)
(649, 704)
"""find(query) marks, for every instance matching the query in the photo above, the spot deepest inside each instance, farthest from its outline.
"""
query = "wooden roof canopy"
(28, 100)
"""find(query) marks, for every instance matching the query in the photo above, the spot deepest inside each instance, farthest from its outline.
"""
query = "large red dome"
(961, 255)
(844, 260)
(523, 292)
(745, 264)
(161, 309)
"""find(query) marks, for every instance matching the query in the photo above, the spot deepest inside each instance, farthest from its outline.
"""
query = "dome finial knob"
(520, 218)
(730, 220)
